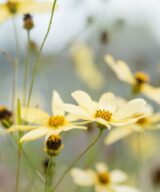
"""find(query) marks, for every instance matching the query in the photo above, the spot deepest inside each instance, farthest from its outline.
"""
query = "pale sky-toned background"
(137, 42)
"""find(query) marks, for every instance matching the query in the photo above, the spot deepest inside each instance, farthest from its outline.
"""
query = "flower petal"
(124, 188)
(77, 111)
(21, 128)
(107, 102)
(35, 134)
(57, 104)
(121, 69)
(102, 122)
(101, 167)
(155, 118)
(4, 14)
(72, 126)
(34, 115)
(34, 7)
(117, 134)
(118, 176)
(84, 101)
(152, 92)
(83, 178)
(133, 109)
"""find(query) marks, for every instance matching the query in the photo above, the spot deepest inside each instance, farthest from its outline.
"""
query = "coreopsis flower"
(44, 124)
(85, 66)
(147, 123)
(102, 179)
(12, 7)
(139, 80)
(107, 111)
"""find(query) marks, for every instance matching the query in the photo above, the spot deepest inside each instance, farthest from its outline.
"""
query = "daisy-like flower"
(12, 7)
(139, 80)
(149, 123)
(102, 179)
(44, 124)
(107, 111)
(86, 67)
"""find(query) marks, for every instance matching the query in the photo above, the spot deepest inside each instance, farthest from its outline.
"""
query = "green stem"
(47, 187)
(39, 53)
(78, 158)
(16, 38)
(16, 63)
(26, 68)
(18, 171)
(20, 147)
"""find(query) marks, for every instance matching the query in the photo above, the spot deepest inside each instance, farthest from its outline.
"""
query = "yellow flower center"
(56, 121)
(12, 7)
(141, 77)
(143, 121)
(104, 178)
(106, 115)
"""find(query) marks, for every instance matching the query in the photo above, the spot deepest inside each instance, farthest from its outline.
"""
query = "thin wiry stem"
(47, 187)
(39, 53)
(76, 160)
(18, 171)
(20, 147)
(15, 70)
(26, 68)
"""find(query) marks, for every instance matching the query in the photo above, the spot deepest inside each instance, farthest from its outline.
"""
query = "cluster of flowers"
(110, 111)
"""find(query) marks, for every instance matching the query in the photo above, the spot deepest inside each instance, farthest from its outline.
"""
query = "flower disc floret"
(56, 121)
(104, 178)
(141, 77)
(12, 6)
(106, 115)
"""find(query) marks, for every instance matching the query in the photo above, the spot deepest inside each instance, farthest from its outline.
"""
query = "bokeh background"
(127, 29)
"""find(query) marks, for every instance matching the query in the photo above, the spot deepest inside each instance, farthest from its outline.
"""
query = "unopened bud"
(53, 145)
(28, 22)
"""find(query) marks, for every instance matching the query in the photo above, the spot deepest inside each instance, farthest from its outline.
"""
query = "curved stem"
(47, 174)
(39, 54)
(26, 68)
(78, 158)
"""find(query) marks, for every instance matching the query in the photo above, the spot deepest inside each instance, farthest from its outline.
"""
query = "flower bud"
(5, 117)
(53, 145)
(28, 22)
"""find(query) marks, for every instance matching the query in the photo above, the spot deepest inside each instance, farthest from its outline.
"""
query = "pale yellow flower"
(44, 124)
(149, 123)
(139, 80)
(86, 67)
(108, 110)
(102, 179)
(12, 7)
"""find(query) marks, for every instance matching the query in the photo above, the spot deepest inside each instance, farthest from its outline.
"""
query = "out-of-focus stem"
(26, 68)
(47, 186)
(39, 53)
(15, 67)
(76, 160)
